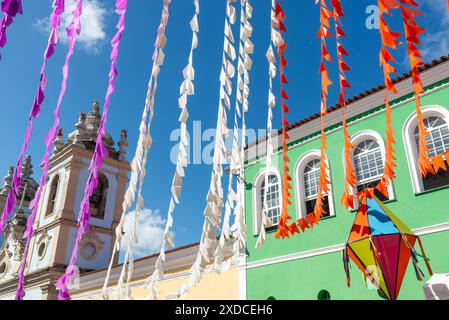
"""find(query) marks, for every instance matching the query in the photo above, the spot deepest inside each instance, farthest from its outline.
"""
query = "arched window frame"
(410, 143)
(356, 140)
(300, 183)
(257, 201)
(104, 181)
(53, 194)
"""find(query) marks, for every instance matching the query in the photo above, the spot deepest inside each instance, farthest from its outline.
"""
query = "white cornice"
(334, 248)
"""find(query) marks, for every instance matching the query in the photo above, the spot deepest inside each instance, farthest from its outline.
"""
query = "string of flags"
(275, 38)
(212, 251)
(215, 196)
(55, 18)
(97, 159)
(73, 32)
(10, 9)
(350, 176)
(186, 89)
(138, 166)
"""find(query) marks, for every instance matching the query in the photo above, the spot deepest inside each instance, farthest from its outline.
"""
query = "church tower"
(56, 222)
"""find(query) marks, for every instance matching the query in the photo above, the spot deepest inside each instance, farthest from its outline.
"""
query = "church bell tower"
(56, 222)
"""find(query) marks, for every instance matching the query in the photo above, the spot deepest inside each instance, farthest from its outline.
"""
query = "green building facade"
(309, 265)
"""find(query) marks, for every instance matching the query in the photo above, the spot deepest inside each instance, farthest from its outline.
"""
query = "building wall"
(305, 277)
(213, 286)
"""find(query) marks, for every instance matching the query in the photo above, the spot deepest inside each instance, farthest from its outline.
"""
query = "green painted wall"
(304, 278)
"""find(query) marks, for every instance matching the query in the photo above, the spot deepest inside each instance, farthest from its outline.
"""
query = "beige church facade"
(56, 226)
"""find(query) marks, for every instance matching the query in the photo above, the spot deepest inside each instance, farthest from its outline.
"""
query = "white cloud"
(436, 42)
(93, 33)
(150, 230)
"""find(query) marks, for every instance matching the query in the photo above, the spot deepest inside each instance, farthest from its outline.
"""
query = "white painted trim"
(299, 179)
(334, 248)
(242, 278)
(257, 205)
(411, 149)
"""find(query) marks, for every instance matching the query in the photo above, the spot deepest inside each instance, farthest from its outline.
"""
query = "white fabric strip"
(234, 202)
(186, 89)
(138, 164)
(213, 210)
(276, 40)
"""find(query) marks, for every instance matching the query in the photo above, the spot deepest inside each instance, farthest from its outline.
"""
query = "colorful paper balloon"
(381, 246)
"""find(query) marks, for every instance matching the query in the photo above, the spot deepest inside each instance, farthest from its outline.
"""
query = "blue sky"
(27, 38)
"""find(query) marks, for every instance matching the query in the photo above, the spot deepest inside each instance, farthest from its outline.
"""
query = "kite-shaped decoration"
(381, 245)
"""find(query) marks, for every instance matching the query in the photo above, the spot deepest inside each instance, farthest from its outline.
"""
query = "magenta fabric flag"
(55, 20)
(99, 154)
(73, 31)
(10, 8)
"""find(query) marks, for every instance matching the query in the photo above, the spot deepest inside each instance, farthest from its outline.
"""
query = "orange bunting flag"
(409, 10)
(323, 186)
(389, 40)
(350, 178)
(284, 228)
(438, 163)
(302, 223)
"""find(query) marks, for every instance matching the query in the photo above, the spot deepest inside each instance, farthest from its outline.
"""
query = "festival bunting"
(215, 200)
(186, 90)
(73, 32)
(412, 33)
(55, 20)
(324, 180)
(234, 203)
(138, 164)
(97, 159)
(389, 40)
(284, 228)
(350, 177)
(275, 38)
(10, 8)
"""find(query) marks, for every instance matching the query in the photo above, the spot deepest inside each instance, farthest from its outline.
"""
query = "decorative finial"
(59, 141)
(27, 169)
(94, 117)
(123, 144)
(7, 182)
(80, 130)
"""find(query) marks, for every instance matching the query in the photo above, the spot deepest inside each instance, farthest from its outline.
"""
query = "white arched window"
(308, 178)
(267, 192)
(368, 158)
(438, 138)
(436, 121)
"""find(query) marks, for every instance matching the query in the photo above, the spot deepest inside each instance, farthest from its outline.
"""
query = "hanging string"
(284, 229)
(10, 8)
(73, 32)
(239, 210)
(234, 203)
(186, 89)
(212, 212)
(275, 39)
(412, 33)
(324, 181)
(97, 159)
(350, 177)
(389, 40)
(55, 20)
(122, 289)
(138, 163)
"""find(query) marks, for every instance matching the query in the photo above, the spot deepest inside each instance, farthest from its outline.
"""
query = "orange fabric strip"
(350, 178)
(284, 228)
